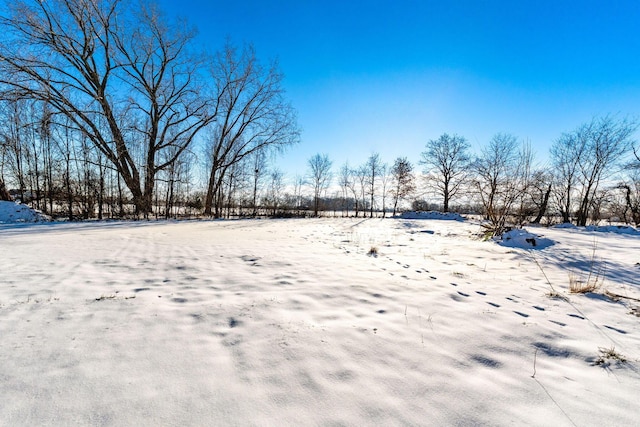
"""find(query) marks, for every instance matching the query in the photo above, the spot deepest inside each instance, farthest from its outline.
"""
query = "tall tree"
(566, 155)
(587, 156)
(346, 178)
(403, 180)
(253, 115)
(320, 176)
(374, 169)
(606, 142)
(540, 192)
(258, 171)
(446, 162)
(114, 63)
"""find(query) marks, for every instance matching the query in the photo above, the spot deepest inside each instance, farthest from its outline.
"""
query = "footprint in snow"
(521, 314)
(620, 331)
(577, 316)
(463, 294)
(558, 323)
(481, 293)
(493, 304)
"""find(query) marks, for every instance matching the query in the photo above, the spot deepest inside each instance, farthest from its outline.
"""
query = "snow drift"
(11, 212)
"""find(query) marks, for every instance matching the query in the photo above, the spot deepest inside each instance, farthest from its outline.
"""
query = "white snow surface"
(620, 229)
(11, 212)
(448, 216)
(290, 322)
(521, 238)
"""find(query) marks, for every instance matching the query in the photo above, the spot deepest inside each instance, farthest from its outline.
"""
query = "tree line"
(108, 109)
(593, 172)
(102, 102)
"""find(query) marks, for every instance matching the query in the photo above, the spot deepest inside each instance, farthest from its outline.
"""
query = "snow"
(448, 216)
(289, 322)
(521, 238)
(11, 212)
(565, 225)
(619, 229)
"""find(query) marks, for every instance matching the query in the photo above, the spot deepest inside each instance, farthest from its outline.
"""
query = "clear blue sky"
(387, 76)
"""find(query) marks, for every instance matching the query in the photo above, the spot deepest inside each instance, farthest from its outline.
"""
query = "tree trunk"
(4, 193)
(445, 193)
(543, 206)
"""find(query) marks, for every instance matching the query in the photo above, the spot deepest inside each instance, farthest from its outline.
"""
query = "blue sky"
(387, 76)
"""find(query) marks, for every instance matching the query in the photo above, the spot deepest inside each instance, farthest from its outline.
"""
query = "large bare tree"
(403, 180)
(446, 162)
(566, 156)
(374, 170)
(117, 71)
(606, 141)
(585, 158)
(320, 176)
(253, 115)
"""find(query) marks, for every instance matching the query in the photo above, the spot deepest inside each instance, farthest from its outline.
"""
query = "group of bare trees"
(585, 160)
(592, 172)
(362, 189)
(120, 96)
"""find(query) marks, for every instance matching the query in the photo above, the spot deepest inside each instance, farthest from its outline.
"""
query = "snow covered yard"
(313, 322)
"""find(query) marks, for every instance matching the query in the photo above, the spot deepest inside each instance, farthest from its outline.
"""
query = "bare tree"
(540, 193)
(586, 157)
(351, 178)
(274, 192)
(298, 183)
(346, 178)
(606, 141)
(258, 171)
(374, 168)
(253, 115)
(631, 193)
(108, 62)
(403, 180)
(361, 175)
(500, 179)
(320, 175)
(385, 183)
(566, 155)
(446, 162)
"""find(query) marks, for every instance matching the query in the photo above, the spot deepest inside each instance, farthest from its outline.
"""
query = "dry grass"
(594, 280)
(556, 295)
(607, 355)
(579, 286)
(373, 251)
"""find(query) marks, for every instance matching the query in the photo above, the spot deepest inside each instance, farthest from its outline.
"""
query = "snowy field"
(295, 322)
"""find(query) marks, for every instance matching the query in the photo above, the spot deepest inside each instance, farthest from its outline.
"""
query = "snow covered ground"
(299, 322)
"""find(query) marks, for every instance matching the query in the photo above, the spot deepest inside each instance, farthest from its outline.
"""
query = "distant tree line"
(108, 110)
(593, 173)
